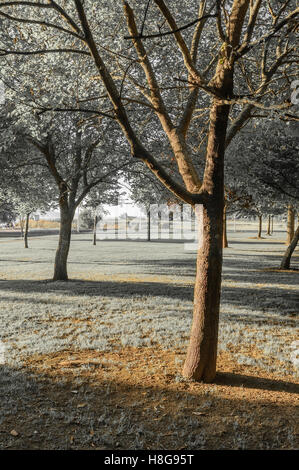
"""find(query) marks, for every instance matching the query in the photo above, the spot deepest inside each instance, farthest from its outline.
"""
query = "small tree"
(7, 212)
(94, 204)
(146, 191)
(76, 161)
(24, 190)
(76, 174)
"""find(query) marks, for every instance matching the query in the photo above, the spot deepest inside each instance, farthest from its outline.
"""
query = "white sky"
(114, 211)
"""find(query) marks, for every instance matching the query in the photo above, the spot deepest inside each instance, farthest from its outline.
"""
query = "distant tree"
(235, 201)
(267, 169)
(147, 192)
(25, 206)
(283, 176)
(87, 218)
(22, 177)
(94, 205)
(7, 212)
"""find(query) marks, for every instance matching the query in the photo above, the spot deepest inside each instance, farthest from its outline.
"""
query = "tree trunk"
(148, 225)
(182, 234)
(269, 225)
(78, 219)
(22, 227)
(126, 226)
(259, 234)
(224, 238)
(286, 260)
(159, 225)
(95, 221)
(202, 351)
(200, 363)
(26, 230)
(272, 224)
(60, 266)
(290, 224)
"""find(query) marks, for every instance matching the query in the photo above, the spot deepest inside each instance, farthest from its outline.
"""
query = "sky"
(125, 205)
(131, 209)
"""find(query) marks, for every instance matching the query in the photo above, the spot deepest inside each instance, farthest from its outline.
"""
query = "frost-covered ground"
(140, 294)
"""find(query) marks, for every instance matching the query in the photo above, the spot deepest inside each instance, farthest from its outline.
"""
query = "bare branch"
(219, 24)
(173, 31)
(25, 3)
(40, 23)
(254, 10)
(75, 110)
(144, 18)
(4, 52)
(198, 30)
(244, 48)
(156, 98)
(179, 40)
(65, 16)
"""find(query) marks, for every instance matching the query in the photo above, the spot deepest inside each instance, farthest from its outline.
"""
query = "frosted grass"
(140, 294)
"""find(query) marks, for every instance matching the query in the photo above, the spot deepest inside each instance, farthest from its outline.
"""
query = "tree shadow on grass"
(104, 412)
(258, 241)
(118, 289)
(260, 383)
(256, 271)
(264, 299)
(30, 261)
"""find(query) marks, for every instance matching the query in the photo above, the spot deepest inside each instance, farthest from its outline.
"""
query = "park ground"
(95, 363)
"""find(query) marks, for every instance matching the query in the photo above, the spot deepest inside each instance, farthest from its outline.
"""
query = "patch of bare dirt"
(135, 398)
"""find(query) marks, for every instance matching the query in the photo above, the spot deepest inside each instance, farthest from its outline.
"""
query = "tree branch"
(4, 52)
(245, 47)
(76, 110)
(173, 31)
(40, 23)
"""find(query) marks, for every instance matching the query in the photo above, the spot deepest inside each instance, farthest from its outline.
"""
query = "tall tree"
(245, 68)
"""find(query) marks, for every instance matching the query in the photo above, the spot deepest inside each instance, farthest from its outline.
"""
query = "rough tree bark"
(95, 221)
(290, 224)
(65, 232)
(26, 229)
(148, 225)
(259, 233)
(201, 356)
(286, 260)
(200, 364)
(269, 225)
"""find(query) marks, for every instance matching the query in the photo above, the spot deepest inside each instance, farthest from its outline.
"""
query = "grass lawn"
(94, 363)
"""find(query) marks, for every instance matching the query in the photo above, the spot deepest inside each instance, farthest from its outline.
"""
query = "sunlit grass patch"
(100, 356)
